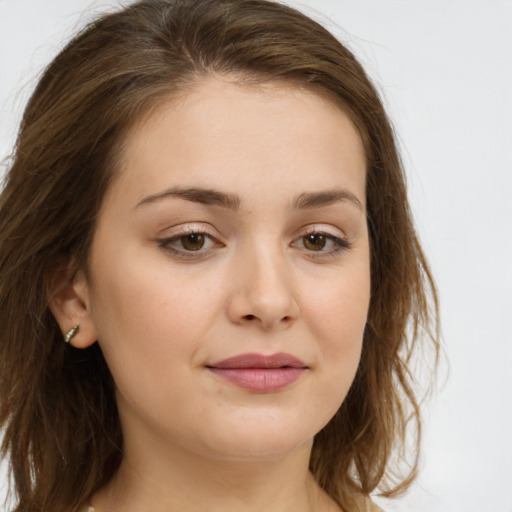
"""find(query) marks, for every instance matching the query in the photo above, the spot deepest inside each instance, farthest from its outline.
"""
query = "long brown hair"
(57, 403)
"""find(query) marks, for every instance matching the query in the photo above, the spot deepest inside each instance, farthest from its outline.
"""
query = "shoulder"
(365, 504)
(372, 507)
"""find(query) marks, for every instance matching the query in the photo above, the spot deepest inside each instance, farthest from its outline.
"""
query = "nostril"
(254, 317)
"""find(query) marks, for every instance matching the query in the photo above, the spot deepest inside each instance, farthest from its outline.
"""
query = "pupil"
(315, 242)
(193, 242)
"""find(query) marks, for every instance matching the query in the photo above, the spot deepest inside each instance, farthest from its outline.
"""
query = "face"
(229, 272)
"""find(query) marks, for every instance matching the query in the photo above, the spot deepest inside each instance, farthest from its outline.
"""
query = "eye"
(315, 241)
(193, 241)
(189, 244)
(325, 244)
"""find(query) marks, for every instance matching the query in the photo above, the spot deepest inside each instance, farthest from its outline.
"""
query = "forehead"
(222, 130)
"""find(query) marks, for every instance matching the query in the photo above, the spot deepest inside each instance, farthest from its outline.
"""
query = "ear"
(68, 299)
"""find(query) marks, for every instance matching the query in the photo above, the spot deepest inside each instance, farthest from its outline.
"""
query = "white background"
(444, 68)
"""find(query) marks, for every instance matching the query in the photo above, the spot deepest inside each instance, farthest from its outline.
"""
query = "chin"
(261, 439)
(258, 448)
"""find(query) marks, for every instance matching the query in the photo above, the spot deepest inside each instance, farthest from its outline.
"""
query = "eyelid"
(187, 229)
(324, 229)
(341, 242)
(182, 231)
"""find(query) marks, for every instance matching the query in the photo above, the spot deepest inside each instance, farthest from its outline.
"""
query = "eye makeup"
(195, 243)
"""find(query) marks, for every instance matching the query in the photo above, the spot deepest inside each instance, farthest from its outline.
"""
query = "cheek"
(147, 334)
(338, 311)
(142, 313)
(337, 316)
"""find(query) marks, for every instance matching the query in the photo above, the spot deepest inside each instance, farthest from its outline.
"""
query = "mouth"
(260, 373)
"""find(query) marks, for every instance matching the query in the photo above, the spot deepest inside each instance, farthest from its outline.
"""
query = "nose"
(262, 291)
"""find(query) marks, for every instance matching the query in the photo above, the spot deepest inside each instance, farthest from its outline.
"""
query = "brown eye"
(195, 245)
(321, 245)
(193, 241)
(315, 242)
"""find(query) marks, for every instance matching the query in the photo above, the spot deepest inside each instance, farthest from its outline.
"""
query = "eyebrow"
(311, 200)
(196, 195)
(304, 201)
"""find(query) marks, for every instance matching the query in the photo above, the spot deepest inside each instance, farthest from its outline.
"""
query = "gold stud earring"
(71, 333)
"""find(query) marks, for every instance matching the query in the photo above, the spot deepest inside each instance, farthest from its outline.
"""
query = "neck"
(172, 479)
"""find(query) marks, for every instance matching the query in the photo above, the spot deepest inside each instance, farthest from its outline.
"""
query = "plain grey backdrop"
(444, 69)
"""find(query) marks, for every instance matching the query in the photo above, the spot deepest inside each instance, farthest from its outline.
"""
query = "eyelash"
(340, 244)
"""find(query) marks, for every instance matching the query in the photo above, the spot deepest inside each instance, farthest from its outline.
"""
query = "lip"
(258, 372)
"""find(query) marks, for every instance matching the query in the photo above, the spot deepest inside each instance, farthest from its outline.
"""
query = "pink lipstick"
(260, 373)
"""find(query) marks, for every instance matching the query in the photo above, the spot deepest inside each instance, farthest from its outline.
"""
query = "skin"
(162, 313)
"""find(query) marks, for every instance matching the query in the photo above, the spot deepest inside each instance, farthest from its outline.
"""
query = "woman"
(211, 284)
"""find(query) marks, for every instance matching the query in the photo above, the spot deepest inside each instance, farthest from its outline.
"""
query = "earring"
(71, 333)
